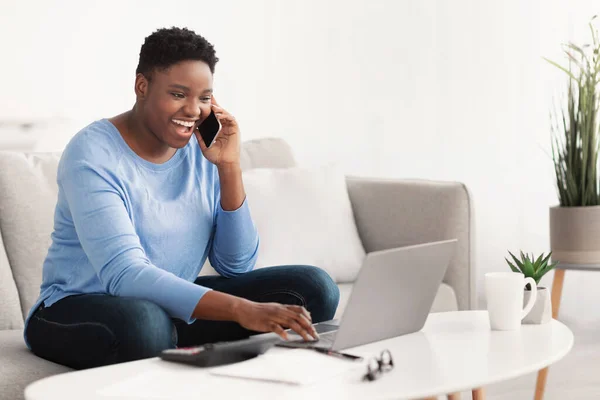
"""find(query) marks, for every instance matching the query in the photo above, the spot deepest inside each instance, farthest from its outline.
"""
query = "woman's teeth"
(184, 123)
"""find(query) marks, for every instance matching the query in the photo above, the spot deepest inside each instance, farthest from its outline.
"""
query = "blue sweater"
(124, 226)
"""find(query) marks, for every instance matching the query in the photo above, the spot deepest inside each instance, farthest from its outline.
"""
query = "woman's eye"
(205, 99)
(178, 95)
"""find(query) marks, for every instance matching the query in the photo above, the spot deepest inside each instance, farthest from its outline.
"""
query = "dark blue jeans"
(92, 330)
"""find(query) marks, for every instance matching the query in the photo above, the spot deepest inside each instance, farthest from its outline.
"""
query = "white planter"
(541, 312)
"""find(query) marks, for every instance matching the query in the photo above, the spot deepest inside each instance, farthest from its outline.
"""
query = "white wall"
(422, 89)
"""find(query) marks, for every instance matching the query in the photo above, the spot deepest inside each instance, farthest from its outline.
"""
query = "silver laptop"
(392, 296)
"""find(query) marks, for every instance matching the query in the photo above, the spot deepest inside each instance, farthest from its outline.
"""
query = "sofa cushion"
(10, 306)
(28, 193)
(266, 153)
(260, 153)
(20, 367)
(304, 216)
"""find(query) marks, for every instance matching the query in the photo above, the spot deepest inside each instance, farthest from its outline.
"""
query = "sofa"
(388, 213)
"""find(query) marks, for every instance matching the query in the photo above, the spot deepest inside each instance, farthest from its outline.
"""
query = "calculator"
(220, 353)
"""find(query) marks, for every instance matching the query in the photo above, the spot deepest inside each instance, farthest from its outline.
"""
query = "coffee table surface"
(455, 351)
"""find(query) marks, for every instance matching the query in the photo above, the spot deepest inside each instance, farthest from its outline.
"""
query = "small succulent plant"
(531, 267)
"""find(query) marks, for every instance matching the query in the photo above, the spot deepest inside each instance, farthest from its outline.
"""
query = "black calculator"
(221, 353)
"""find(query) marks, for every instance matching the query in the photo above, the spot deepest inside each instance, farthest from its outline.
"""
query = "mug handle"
(532, 298)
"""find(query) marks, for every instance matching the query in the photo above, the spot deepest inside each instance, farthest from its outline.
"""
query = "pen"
(337, 354)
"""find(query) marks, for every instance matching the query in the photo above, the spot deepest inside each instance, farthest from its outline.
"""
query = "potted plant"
(575, 223)
(535, 268)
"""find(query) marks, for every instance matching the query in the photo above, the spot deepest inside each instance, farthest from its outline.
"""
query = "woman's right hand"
(275, 317)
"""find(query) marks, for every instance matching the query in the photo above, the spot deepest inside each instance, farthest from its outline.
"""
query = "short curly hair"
(168, 46)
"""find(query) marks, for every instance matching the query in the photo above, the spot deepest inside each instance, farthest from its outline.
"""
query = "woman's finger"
(301, 320)
(223, 114)
(310, 327)
(296, 327)
(279, 330)
(221, 111)
(218, 110)
(225, 117)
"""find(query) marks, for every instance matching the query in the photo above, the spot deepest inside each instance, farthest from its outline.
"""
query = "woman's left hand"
(226, 148)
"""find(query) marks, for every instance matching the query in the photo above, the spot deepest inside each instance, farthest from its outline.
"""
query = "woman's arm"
(232, 187)
(234, 249)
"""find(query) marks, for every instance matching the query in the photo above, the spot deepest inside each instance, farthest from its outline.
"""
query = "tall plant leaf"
(575, 144)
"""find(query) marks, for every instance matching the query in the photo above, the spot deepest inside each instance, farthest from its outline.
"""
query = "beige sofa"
(388, 213)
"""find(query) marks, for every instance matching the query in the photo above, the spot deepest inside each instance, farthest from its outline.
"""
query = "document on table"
(293, 366)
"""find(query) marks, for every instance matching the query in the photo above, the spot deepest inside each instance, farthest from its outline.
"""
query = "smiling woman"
(142, 203)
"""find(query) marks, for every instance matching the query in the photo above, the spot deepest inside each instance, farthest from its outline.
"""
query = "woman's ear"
(141, 86)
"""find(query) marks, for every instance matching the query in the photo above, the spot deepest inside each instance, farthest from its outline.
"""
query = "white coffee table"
(455, 351)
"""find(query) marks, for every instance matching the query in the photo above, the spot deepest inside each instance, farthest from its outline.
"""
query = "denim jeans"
(91, 330)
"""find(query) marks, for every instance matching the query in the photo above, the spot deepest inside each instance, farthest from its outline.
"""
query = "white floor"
(577, 376)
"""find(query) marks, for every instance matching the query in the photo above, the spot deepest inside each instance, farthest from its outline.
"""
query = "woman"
(142, 203)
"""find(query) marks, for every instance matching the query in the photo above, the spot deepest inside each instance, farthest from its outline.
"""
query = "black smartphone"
(209, 128)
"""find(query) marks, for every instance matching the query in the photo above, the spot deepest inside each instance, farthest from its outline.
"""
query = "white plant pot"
(541, 312)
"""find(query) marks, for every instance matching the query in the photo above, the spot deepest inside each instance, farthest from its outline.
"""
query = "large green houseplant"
(575, 223)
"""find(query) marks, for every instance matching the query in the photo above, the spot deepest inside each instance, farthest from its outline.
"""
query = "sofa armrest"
(393, 213)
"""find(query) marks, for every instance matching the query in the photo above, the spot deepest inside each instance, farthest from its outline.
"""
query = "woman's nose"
(192, 109)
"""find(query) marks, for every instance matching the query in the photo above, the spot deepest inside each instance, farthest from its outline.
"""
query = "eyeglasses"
(379, 365)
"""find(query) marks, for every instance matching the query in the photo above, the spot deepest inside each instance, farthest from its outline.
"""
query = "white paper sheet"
(293, 366)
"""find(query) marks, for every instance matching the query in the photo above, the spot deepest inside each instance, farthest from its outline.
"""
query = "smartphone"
(209, 128)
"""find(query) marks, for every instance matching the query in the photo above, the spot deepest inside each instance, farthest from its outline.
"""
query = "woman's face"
(175, 101)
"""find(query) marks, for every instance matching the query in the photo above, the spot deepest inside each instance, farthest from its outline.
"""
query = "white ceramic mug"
(504, 292)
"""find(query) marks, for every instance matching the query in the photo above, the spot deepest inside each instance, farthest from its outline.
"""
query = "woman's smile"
(183, 127)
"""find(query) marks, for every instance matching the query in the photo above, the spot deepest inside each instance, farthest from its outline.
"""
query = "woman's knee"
(147, 330)
(321, 292)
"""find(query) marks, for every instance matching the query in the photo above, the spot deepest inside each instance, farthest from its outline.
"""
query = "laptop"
(392, 296)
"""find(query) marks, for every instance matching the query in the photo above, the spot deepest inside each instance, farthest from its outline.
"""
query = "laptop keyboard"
(326, 337)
